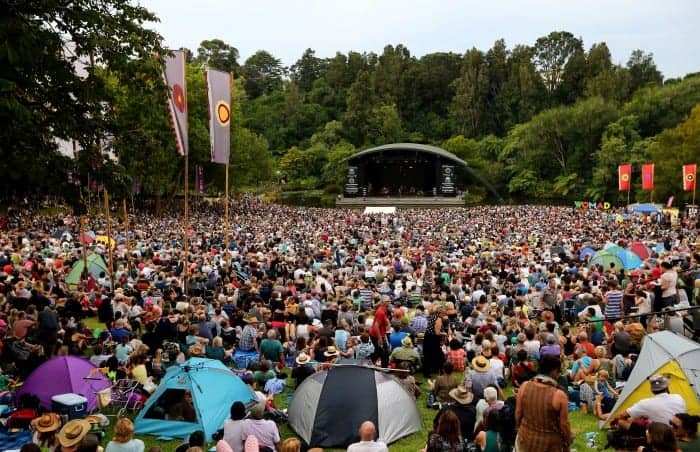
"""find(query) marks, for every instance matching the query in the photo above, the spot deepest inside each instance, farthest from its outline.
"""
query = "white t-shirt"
(660, 408)
(368, 446)
(671, 277)
(232, 434)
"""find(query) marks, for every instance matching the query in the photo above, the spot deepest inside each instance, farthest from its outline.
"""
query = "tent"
(103, 239)
(630, 260)
(328, 407)
(213, 388)
(605, 258)
(95, 264)
(63, 375)
(586, 252)
(640, 249)
(645, 208)
(668, 354)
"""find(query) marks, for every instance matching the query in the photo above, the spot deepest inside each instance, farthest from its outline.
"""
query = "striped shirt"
(613, 305)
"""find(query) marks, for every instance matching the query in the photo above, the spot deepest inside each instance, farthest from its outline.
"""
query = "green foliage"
(215, 53)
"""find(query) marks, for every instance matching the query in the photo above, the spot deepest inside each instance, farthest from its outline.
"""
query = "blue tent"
(586, 252)
(213, 388)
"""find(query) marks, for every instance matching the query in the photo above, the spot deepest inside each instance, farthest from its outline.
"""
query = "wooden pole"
(126, 233)
(187, 225)
(226, 226)
(84, 273)
(109, 244)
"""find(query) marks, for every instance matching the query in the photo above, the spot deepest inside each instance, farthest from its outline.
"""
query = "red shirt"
(380, 323)
(456, 357)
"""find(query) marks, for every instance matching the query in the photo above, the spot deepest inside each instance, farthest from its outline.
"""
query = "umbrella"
(640, 249)
(86, 238)
(645, 208)
(605, 258)
(586, 252)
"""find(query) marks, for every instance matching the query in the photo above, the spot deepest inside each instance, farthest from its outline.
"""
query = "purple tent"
(62, 375)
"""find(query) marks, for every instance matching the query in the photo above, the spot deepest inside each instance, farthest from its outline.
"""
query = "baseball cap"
(658, 383)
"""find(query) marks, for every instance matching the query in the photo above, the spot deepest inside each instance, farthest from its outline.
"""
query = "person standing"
(378, 333)
(542, 411)
(669, 279)
(433, 358)
(613, 302)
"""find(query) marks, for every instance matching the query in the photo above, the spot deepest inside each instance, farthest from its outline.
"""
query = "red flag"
(624, 176)
(174, 76)
(648, 176)
(689, 172)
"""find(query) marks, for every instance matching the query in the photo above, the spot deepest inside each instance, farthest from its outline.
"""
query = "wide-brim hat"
(47, 422)
(407, 342)
(250, 319)
(99, 419)
(303, 358)
(73, 432)
(330, 351)
(481, 364)
(462, 395)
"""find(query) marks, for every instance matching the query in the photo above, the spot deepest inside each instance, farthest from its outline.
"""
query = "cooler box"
(74, 406)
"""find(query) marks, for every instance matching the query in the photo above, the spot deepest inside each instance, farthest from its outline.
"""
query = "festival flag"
(624, 176)
(177, 97)
(648, 176)
(689, 172)
(219, 99)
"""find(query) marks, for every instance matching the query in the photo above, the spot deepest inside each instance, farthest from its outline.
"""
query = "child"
(605, 395)
(365, 349)
(350, 347)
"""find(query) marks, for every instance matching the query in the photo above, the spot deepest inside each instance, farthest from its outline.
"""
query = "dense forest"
(544, 121)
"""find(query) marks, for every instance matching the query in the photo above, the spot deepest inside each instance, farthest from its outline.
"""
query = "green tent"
(605, 258)
(95, 264)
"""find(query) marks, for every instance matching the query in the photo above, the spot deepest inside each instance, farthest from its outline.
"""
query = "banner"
(352, 181)
(200, 179)
(447, 179)
(689, 173)
(624, 176)
(177, 97)
(648, 176)
(218, 85)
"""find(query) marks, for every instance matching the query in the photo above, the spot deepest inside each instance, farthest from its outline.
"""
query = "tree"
(263, 74)
(385, 125)
(307, 70)
(360, 101)
(48, 89)
(215, 53)
(523, 93)
(552, 52)
(643, 70)
(468, 105)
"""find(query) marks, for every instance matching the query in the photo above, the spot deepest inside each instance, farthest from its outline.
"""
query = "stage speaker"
(447, 179)
(352, 181)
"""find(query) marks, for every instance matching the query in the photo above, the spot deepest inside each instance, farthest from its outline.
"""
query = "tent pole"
(126, 232)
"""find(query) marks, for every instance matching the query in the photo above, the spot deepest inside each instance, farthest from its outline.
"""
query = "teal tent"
(95, 264)
(212, 388)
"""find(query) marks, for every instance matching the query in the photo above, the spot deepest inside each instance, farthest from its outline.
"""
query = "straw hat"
(407, 342)
(99, 419)
(303, 358)
(73, 432)
(330, 352)
(250, 319)
(48, 422)
(481, 364)
(462, 395)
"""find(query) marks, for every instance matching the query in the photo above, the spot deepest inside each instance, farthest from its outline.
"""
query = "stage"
(404, 202)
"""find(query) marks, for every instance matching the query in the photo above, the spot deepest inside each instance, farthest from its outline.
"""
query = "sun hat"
(407, 342)
(250, 319)
(303, 358)
(658, 383)
(47, 422)
(481, 363)
(330, 351)
(73, 432)
(462, 395)
(98, 418)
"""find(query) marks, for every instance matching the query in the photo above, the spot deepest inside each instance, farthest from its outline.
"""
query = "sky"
(285, 28)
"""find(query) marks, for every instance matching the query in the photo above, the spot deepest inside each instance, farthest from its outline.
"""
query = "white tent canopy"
(389, 210)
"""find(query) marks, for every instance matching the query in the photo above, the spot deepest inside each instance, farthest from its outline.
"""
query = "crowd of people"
(476, 300)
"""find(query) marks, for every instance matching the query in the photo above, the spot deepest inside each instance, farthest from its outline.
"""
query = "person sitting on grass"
(441, 387)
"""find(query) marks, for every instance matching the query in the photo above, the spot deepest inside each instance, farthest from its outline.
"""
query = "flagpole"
(187, 224)
(109, 238)
(226, 218)
(84, 273)
(126, 228)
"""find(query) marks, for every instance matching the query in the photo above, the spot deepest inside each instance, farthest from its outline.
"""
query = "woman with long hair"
(659, 439)
(447, 436)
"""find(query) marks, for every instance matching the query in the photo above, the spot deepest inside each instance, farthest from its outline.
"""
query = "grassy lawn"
(580, 423)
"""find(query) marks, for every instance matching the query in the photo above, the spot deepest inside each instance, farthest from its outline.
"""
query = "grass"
(580, 423)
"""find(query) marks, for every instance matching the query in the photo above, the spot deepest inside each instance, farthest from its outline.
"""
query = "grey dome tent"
(328, 407)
